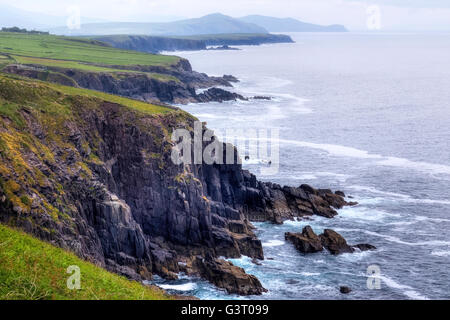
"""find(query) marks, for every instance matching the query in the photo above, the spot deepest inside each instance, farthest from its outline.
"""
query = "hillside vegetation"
(92, 64)
(31, 269)
(86, 51)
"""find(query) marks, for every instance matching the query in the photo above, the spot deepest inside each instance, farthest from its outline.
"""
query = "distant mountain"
(210, 24)
(290, 25)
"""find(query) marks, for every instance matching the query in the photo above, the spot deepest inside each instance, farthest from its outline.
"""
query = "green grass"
(31, 269)
(25, 90)
(66, 64)
(77, 49)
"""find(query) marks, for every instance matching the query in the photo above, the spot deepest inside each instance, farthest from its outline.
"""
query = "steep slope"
(209, 24)
(289, 25)
(34, 270)
(93, 173)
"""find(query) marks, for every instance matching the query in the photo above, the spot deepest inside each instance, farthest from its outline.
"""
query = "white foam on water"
(376, 191)
(336, 150)
(344, 151)
(319, 261)
(399, 196)
(422, 218)
(355, 256)
(273, 243)
(407, 290)
(416, 165)
(368, 214)
(399, 241)
(179, 287)
(310, 274)
(441, 253)
(307, 175)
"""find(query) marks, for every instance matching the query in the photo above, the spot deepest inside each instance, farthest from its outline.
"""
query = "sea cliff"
(93, 174)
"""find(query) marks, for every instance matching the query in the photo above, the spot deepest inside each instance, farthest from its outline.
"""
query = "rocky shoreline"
(126, 206)
(143, 83)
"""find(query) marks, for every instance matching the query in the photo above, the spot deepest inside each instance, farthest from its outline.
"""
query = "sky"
(392, 15)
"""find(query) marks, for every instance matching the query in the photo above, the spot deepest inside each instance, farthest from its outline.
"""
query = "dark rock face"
(227, 276)
(306, 242)
(224, 47)
(127, 207)
(180, 88)
(345, 290)
(334, 242)
(262, 98)
(267, 201)
(364, 247)
(219, 95)
(309, 242)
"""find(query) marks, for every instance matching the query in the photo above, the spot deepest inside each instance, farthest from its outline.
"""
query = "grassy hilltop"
(76, 51)
(57, 53)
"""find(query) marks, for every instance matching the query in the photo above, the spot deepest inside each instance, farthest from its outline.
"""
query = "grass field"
(34, 270)
(76, 49)
(67, 64)
(19, 87)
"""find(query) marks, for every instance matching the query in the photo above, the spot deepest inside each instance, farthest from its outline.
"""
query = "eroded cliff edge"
(177, 83)
(96, 177)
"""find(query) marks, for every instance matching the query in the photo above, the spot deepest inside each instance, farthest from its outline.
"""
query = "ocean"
(368, 114)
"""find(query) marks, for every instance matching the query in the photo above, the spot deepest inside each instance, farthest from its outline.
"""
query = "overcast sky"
(401, 15)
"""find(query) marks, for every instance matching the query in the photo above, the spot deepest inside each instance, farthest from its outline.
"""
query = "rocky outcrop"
(227, 276)
(271, 202)
(224, 48)
(152, 84)
(345, 290)
(97, 178)
(306, 242)
(219, 95)
(309, 242)
(336, 244)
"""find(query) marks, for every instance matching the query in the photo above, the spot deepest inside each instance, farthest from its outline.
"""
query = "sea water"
(368, 114)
